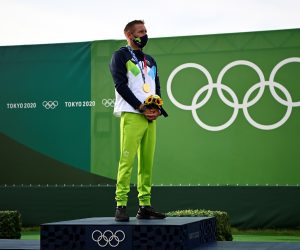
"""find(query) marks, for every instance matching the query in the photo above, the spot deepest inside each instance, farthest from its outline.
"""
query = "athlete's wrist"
(142, 108)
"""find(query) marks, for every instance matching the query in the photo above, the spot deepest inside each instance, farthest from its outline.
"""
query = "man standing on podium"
(138, 103)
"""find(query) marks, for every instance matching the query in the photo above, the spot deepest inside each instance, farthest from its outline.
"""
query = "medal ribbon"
(137, 62)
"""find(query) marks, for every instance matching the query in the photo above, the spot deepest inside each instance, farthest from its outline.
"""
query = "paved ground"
(220, 245)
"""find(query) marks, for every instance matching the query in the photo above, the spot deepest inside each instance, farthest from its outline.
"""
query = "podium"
(105, 233)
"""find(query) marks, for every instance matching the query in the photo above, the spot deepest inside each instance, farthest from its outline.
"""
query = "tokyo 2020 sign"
(233, 103)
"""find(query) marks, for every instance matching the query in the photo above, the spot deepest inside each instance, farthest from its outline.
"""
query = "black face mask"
(141, 41)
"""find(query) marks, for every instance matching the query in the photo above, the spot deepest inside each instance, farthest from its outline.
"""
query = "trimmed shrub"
(223, 228)
(10, 225)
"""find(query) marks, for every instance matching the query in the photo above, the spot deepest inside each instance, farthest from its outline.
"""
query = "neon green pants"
(138, 136)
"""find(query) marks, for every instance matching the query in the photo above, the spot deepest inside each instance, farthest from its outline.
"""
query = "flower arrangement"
(153, 101)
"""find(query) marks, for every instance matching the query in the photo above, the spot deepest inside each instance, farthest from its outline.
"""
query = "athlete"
(135, 77)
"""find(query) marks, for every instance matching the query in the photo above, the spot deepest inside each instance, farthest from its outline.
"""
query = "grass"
(266, 235)
(30, 233)
(257, 235)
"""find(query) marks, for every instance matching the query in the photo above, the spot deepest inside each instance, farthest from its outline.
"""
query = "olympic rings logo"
(235, 104)
(108, 102)
(50, 104)
(108, 237)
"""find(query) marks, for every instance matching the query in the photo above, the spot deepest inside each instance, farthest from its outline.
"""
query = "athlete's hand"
(152, 114)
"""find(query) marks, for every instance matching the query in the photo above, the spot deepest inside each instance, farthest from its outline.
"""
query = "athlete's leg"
(132, 128)
(145, 164)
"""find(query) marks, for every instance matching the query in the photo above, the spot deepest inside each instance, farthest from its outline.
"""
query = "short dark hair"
(129, 26)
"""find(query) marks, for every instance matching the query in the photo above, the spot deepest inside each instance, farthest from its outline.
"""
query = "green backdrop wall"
(233, 102)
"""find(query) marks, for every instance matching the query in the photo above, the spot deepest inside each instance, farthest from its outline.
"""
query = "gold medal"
(146, 87)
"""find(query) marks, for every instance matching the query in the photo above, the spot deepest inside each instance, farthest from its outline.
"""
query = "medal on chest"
(146, 87)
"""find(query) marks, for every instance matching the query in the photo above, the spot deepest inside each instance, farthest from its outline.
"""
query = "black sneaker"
(121, 215)
(147, 212)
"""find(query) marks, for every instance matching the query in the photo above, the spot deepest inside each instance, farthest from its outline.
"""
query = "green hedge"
(223, 227)
(10, 225)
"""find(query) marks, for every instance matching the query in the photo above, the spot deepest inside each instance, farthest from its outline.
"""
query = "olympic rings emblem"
(108, 237)
(108, 102)
(50, 104)
(235, 104)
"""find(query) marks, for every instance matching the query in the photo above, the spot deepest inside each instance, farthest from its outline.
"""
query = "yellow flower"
(154, 100)
(149, 100)
(158, 101)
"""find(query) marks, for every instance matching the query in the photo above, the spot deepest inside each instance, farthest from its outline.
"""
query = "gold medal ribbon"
(146, 86)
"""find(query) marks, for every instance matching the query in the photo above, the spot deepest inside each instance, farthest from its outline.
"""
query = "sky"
(60, 21)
